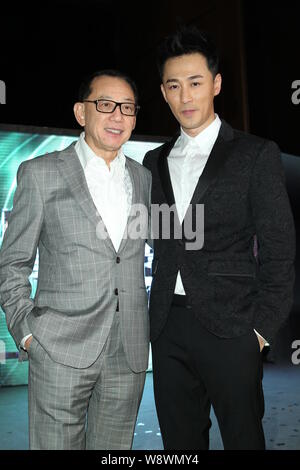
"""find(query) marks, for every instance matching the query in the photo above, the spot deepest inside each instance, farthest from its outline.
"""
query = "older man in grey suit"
(86, 331)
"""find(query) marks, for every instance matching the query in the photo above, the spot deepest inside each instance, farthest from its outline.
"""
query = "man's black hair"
(85, 88)
(188, 40)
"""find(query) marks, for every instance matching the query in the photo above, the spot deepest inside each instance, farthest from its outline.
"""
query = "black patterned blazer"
(231, 288)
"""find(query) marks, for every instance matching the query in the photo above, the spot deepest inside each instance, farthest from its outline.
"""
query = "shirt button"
(116, 292)
(118, 260)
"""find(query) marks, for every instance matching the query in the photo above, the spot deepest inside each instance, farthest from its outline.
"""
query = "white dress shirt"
(108, 187)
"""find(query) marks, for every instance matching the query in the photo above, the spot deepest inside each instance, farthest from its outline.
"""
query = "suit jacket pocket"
(231, 289)
(232, 268)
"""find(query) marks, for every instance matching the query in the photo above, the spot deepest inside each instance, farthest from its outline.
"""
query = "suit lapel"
(216, 160)
(135, 181)
(72, 171)
(163, 170)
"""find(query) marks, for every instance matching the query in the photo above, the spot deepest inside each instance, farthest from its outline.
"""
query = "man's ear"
(217, 84)
(163, 92)
(79, 113)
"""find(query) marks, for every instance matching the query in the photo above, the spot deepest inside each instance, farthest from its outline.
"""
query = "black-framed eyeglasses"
(109, 106)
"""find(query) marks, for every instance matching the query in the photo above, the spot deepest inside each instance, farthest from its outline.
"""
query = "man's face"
(189, 88)
(105, 133)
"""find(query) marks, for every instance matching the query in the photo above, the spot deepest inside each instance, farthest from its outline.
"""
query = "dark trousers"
(194, 369)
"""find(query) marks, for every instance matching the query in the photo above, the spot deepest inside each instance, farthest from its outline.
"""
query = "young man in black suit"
(213, 309)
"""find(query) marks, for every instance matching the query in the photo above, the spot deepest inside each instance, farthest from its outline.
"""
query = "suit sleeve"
(18, 253)
(276, 242)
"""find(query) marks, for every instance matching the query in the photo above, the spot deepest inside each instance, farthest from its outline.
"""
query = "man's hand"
(261, 341)
(28, 343)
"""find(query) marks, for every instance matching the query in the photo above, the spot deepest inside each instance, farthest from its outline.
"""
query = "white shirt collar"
(87, 156)
(204, 138)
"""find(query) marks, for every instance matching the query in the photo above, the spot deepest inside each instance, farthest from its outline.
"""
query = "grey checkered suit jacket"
(81, 277)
